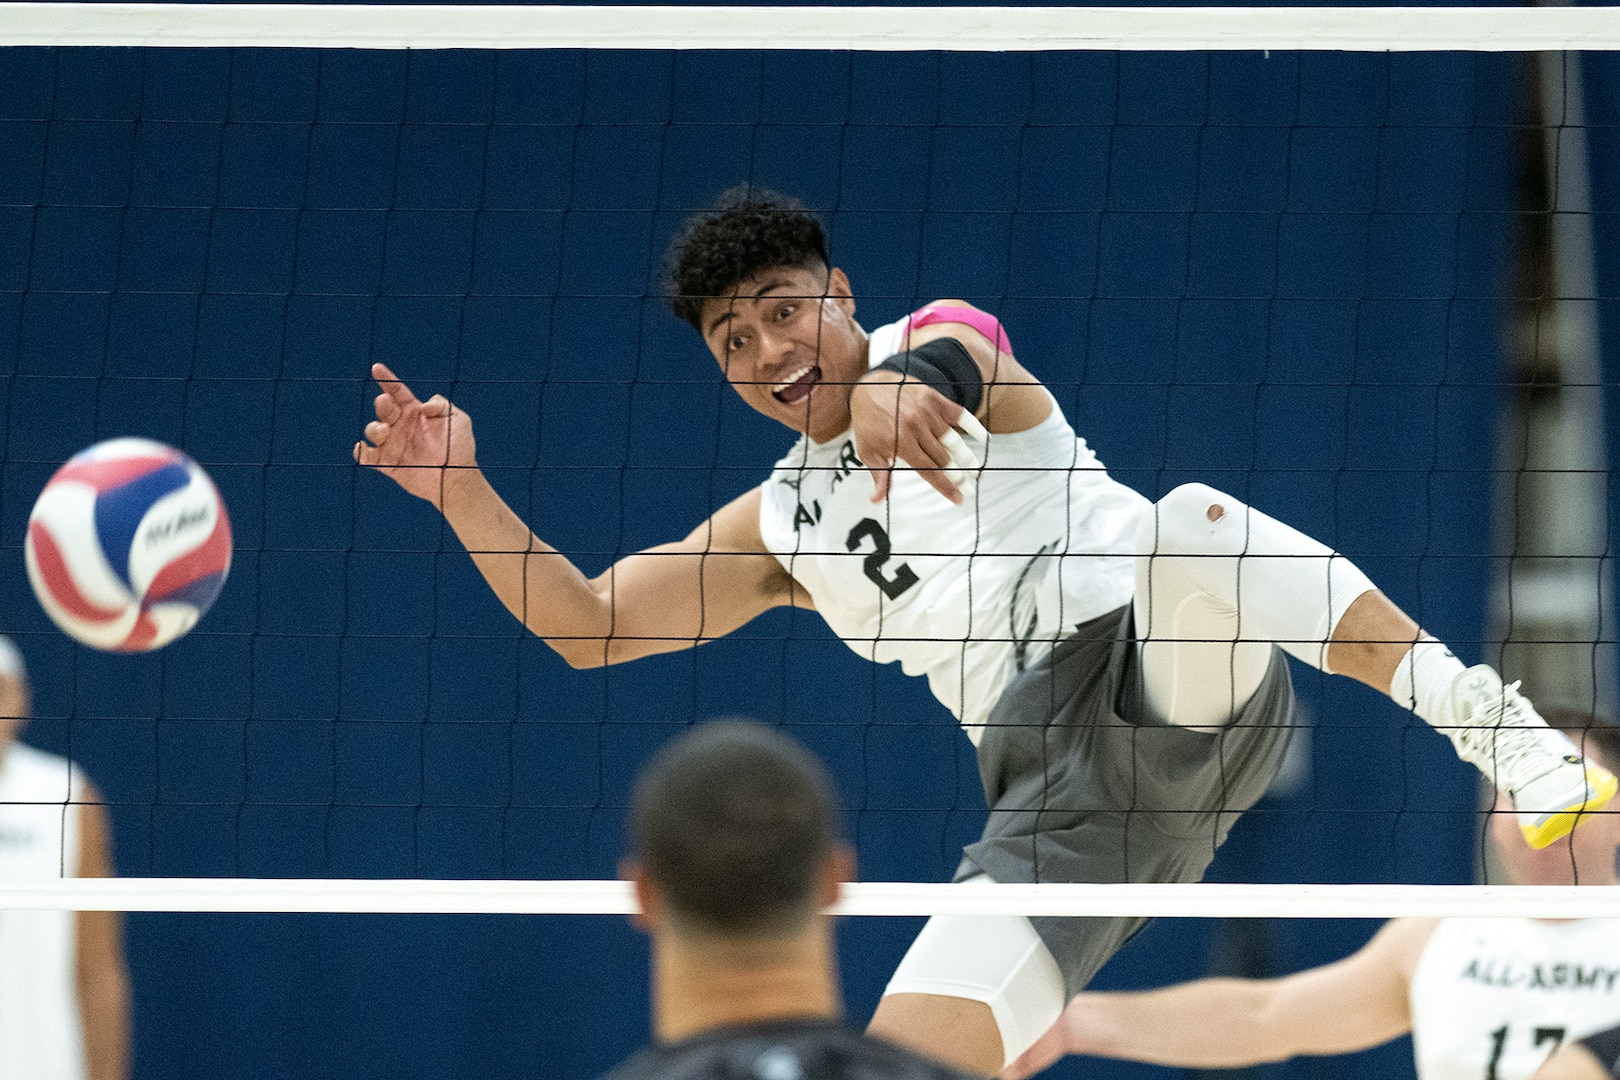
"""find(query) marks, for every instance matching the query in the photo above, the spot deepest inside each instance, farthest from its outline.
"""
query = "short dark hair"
(733, 822)
(749, 230)
(1590, 731)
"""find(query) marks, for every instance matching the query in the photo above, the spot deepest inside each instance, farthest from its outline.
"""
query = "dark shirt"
(782, 1050)
(1605, 1046)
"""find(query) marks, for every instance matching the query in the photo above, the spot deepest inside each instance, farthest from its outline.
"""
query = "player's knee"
(1181, 519)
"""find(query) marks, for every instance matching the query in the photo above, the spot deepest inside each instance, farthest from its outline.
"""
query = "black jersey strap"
(945, 365)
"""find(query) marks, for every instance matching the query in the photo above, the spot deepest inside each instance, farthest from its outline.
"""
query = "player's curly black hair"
(749, 230)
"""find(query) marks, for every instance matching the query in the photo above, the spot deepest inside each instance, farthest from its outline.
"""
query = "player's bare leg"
(1370, 640)
(956, 1031)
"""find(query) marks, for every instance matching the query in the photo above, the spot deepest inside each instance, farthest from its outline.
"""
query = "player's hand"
(418, 444)
(1058, 1041)
(908, 421)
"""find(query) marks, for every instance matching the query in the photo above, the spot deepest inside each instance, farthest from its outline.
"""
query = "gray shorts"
(1083, 786)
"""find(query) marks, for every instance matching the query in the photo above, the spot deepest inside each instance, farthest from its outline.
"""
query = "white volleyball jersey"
(1492, 998)
(967, 595)
(40, 1029)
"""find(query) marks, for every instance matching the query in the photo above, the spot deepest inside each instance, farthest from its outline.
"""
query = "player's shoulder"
(807, 1049)
(1401, 945)
(938, 318)
(978, 330)
(33, 761)
(30, 774)
(1400, 941)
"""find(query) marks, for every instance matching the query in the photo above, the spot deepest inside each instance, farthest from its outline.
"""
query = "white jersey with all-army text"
(967, 595)
(1492, 998)
(40, 1031)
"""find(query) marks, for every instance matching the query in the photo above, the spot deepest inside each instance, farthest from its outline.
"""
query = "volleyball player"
(735, 861)
(1596, 1057)
(64, 988)
(1115, 661)
(1482, 998)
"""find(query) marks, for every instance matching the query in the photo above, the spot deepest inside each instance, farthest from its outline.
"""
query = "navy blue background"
(1286, 276)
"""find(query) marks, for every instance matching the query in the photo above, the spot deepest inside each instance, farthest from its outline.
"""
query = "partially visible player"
(735, 859)
(64, 989)
(1482, 998)
(1596, 1057)
(1117, 663)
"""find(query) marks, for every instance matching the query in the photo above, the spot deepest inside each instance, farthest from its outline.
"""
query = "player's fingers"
(882, 470)
(961, 455)
(965, 464)
(927, 454)
(391, 385)
(437, 405)
(880, 485)
(365, 455)
(377, 432)
(932, 461)
(940, 480)
(969, 425)
(387, 408)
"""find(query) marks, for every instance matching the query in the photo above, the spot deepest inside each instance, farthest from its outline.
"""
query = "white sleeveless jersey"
(967, 595)
(1492, 998)
(40, 1031)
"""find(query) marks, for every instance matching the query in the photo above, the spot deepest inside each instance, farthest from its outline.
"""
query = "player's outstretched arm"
(671, 597)
(1359, 1002)
(102, 977)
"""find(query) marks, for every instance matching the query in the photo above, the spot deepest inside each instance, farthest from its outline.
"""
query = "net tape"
(864, 29)
(863, 898)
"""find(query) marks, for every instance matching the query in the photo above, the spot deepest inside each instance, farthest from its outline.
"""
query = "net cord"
(864, 898)
(861, 29)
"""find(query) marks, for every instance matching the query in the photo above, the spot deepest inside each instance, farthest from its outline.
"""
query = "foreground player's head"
(1587, 855)
(753, 277)
(733, 834)
(13, 692)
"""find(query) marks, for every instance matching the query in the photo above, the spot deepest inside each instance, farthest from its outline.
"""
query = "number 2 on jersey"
(904, 576)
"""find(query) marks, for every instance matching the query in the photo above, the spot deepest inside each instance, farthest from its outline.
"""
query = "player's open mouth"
(797, 386)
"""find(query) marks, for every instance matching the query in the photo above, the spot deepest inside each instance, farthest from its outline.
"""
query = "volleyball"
(128, 545)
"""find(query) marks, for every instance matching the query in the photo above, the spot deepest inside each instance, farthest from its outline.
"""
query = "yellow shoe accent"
(1601, 785)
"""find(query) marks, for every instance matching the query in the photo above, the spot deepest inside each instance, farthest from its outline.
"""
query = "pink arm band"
(982, 321)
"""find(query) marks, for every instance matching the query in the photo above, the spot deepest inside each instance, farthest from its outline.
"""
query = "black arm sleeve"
(1605, 1046)
(945, 365)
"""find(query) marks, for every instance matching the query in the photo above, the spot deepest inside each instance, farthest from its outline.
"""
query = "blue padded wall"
(1285, 276)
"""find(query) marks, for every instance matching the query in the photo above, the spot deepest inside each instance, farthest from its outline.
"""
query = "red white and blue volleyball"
(128, 545)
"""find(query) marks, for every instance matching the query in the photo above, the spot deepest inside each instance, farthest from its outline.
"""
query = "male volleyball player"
(1596, 1057)
(64, 989)
(735, 860)
(1482, 998)
(1114, 660)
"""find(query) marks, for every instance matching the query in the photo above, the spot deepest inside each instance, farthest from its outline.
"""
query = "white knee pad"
(1178, 524)
(997, 959)
(1273, 582)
